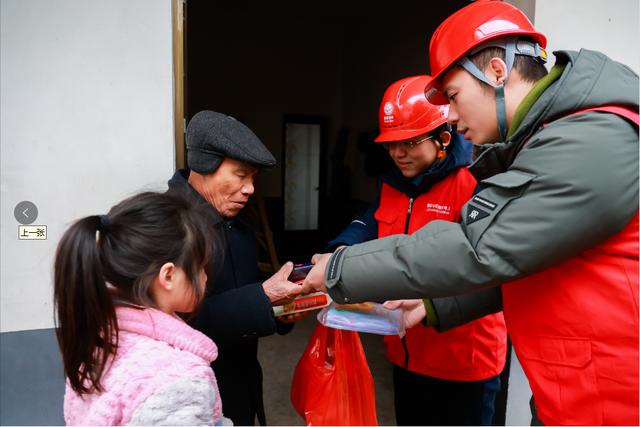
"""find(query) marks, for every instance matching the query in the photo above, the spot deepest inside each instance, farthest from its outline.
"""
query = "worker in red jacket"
(440, 378)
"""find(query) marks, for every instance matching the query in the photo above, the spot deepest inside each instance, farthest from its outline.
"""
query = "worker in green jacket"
(554, 222)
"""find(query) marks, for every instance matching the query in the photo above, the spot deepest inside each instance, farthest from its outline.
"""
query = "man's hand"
(413, 310)
(315, 279)
(278, 289)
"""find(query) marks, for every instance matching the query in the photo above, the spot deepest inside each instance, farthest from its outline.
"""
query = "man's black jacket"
(235, 311)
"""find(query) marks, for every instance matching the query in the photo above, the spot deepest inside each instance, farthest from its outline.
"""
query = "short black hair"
(529, 68)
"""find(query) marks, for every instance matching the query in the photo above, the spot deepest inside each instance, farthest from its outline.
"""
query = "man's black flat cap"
(213, 136)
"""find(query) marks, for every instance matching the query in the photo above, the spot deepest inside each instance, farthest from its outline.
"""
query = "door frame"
(179, 22)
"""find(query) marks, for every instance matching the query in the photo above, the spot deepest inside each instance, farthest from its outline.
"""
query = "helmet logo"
(388, 111)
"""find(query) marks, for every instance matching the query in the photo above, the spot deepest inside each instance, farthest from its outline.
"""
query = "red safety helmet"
(405, 112)
(475, 25)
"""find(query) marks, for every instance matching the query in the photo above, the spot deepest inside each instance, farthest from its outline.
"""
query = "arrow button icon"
(25, 212)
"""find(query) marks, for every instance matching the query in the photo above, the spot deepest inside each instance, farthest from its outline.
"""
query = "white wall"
(609, 26)
(86, 118)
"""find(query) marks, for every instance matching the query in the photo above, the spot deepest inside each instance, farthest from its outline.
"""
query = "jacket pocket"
(388, 222)
(563, 379)
(498, 191)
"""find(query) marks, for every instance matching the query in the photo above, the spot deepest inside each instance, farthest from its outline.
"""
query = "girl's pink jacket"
(161, 374)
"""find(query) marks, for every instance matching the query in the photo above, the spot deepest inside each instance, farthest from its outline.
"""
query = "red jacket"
(471, 352)
(558, 341)
(546, 313)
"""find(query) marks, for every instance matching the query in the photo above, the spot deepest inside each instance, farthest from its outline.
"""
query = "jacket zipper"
(406, 223)
(406, 231)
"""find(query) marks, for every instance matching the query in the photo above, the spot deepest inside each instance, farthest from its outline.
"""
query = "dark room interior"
(267, 63)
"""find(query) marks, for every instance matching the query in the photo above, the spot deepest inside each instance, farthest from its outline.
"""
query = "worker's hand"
(278, 289)
(413, 310)
(295, 317)
(315, 279)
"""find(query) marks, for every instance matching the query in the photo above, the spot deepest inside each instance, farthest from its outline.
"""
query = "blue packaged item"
(368, 317)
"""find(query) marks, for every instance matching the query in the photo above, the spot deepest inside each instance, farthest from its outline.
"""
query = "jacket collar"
(495, 158)
(161, 326)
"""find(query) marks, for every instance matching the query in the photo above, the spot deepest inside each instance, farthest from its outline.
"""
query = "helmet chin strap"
(501, 111)
(501, 108)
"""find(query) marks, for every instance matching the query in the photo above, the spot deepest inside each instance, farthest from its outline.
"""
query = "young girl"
(119, 280)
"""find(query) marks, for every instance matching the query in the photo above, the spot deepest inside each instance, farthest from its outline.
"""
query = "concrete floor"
(280, 354)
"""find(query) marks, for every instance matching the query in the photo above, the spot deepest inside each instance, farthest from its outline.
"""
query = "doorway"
(304, 161)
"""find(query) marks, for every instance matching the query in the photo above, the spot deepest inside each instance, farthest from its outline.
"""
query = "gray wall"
(32, 378)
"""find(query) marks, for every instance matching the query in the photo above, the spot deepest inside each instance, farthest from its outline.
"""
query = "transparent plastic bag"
(368, 317)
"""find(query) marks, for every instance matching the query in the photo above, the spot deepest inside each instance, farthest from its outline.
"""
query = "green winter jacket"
(560, 184)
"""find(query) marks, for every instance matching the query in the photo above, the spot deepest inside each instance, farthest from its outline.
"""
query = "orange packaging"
(303, 303)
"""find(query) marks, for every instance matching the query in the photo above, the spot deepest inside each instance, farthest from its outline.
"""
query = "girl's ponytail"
(86, 320)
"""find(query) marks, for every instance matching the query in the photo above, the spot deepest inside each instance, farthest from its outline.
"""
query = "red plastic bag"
(332, 383)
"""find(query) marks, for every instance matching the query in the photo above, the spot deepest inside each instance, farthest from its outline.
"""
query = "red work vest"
(471, 352)
(574, 328)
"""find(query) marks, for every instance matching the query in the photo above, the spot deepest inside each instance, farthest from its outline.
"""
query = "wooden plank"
(178, 17)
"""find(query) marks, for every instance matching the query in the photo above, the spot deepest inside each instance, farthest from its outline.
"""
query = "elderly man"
(224, 157)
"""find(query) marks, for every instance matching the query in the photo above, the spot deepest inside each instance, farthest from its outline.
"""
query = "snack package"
(307, 302)
(368, 317)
